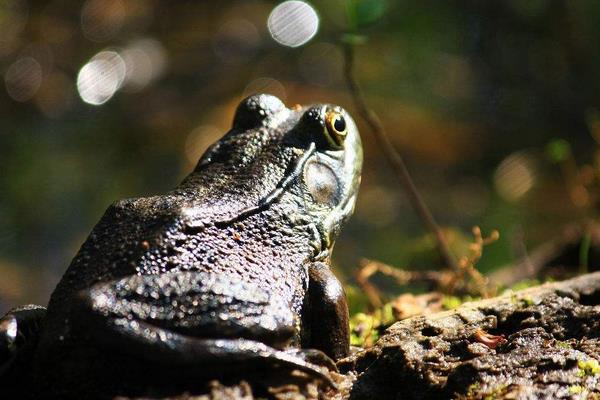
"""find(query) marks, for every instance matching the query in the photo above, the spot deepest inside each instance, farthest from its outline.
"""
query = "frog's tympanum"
(228, 272)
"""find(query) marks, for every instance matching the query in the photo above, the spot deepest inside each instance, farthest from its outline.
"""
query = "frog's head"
(330, 176)
(308, 157)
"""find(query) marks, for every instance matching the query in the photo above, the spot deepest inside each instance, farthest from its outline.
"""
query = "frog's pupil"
(339, 124)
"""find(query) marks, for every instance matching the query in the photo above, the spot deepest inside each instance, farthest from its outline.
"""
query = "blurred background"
(494, 105)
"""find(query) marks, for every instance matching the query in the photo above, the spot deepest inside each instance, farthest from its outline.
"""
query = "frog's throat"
(330, 227)
(276, 193)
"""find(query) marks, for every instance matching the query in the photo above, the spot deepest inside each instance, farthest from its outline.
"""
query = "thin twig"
(395, 159)
(369, 268)
(468, 263)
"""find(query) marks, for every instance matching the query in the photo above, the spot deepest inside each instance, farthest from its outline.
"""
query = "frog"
(228, 272)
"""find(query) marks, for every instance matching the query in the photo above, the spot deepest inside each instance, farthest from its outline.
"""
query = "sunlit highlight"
(108, 71)
(101, 77)
(293, 23)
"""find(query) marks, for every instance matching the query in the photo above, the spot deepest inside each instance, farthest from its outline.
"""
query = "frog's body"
(228, 270)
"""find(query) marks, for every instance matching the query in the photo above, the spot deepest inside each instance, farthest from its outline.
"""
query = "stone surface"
(551, 349)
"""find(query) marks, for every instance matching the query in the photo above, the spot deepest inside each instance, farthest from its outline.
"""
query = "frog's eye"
(336, 128)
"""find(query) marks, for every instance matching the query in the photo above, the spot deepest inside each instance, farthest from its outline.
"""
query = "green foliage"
(524, 284)
(584, 252)
(357, 299)
(475, 391)
(576, 389)
(364, 12)
(558, 150)
(588, 368)
(452, 302)
(528, 300)
(365, 329)
(353, 39)
(563, 345)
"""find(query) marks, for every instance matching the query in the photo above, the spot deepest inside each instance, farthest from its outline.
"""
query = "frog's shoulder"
(182, 207)
(159, 205)
(118, 238)
(127, 221)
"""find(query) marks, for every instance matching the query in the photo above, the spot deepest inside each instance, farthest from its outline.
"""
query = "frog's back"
(265, 249)
(198, 226)
(154, 235)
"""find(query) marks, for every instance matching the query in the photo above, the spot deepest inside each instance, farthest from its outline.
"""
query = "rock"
(551, 349)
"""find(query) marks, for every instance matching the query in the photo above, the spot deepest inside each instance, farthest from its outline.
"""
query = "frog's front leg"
(19, 333)
(327, 313)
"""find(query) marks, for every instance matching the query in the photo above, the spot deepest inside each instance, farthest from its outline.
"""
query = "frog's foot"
(19, 331)
(172, 348)
(314, 356)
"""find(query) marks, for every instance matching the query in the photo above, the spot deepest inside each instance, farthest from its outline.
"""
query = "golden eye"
(337, 129)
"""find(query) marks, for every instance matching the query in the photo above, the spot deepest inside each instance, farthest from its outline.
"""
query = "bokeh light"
(23, 78)
(145, 60)
(293, 23)
(515, 176)
(101, 77)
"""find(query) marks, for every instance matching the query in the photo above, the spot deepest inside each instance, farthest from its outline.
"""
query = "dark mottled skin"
(227, 271)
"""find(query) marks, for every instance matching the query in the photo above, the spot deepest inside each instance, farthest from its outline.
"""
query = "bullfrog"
(228, 272)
